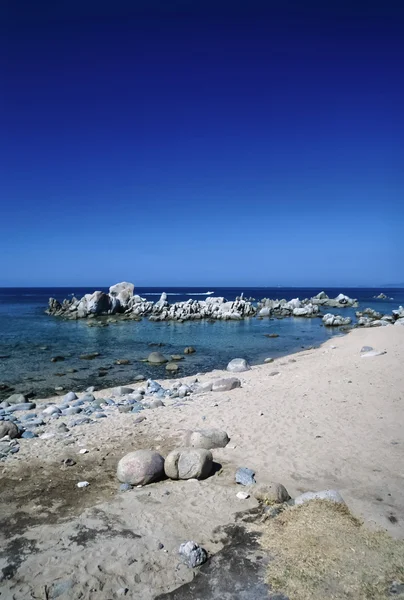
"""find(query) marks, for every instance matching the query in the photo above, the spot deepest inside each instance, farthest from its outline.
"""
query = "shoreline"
(328, 419)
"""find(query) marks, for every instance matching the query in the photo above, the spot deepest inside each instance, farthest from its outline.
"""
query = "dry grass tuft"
(320, 550)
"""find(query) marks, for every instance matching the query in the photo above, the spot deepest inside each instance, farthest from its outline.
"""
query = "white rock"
(242, 495)
(83, 451)
(238, 365)
(331, 495)
(82, 484)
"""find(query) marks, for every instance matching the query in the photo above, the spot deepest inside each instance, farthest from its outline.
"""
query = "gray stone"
(238, 365)
(16, 399)
(156, 358)
(34, 423)
(125, 487)
(192, 554)
(225, 384)
(172, 367)
(29, 435)
(51, 410)
(69, 397)
(206, 438)
(8, 428)
(245, 476)
(122, 391)
(189, 350)
(126, 408)
(373, 353)
(73, 410)
(140, 467)
(188, 463)
(22, 406)
(331, 495)
(366, 349)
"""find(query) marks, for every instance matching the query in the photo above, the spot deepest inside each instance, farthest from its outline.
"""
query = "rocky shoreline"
(145, 474)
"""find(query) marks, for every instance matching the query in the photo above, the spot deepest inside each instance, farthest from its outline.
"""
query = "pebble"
(83, 451)
(69, 462)
(125, 487)
(242, 495)
(27, 435)
(69, 397)
(73, 410)
(83, 484)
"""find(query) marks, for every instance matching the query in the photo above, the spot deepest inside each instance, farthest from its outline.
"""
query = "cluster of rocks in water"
(121, 303)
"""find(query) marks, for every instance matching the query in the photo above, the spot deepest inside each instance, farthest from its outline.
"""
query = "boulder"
(8, 428)
(226, 384)
(270, 493)
(188, 463)
(238, 365)
(189, 350)
(331, 495)
(98, 303)
(16, 399)
(330, 320)
(172, 367)
(192, 554)
(140, 467)
(156, 358)
(206, 438)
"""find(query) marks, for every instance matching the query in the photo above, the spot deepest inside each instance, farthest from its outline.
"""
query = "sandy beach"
(319, 419)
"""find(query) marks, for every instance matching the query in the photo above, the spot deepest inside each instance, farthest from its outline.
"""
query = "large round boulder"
(206, 438)
(156, 358)
(238, 365)
(188, 463)
(140, 467)
(8, 428)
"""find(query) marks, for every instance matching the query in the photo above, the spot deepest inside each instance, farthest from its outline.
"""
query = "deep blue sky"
(187, 143)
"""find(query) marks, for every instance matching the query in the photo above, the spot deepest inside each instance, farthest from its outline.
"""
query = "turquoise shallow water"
(25, 330)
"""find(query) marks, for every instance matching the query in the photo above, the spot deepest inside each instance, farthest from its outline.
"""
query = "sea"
(29, 338)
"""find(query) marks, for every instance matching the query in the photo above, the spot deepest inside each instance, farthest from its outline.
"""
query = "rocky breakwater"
(308, 307)
(121, 300)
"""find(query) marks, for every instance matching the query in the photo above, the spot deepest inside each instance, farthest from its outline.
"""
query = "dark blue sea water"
(25, 330)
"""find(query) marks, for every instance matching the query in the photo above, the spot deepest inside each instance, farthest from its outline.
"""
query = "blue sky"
(202, 143)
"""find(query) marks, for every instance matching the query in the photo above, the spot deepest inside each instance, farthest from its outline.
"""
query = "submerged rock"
(156, 358)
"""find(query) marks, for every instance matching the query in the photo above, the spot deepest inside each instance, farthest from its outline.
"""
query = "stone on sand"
(8, 428)
(188, 463)
(226, 384)
(238, 365)
(206, 438)
(270, 493)
(192, 554)
(122, 391)
(331, 495)
(69, 397)
(140, 467)
(16, 399)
